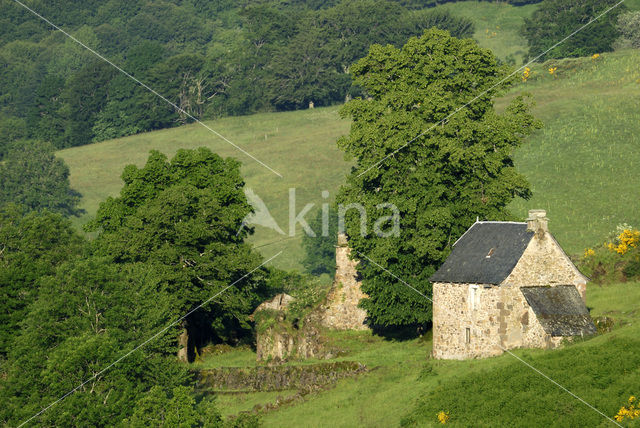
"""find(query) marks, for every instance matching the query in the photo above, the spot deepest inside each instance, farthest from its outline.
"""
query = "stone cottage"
(507, 285)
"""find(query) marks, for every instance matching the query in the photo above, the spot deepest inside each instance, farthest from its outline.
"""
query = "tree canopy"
(458, 170)
(556, 19)
(33, 177)
(209, 59)
(70, 308)
(183, 216)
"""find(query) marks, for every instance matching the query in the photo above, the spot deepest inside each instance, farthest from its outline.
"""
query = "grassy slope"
(581, 165)
(403, 385)
(299, 145)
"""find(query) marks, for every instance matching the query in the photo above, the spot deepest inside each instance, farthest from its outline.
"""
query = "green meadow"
(404, 387)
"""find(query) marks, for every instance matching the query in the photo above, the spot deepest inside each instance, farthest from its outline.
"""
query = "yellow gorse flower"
(589, 252)
(526, 74)
(627, 239)
(629, 411)
(552, 70)
(443, 417)
(595, 56)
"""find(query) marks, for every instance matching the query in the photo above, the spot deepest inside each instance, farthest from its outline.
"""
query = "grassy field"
(404, 385)
(582, 166)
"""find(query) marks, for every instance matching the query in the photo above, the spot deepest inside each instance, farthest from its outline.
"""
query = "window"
(474, 297)
(468, 335)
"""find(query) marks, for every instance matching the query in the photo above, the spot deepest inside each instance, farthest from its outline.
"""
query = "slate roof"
(560, 310)
(485, 254)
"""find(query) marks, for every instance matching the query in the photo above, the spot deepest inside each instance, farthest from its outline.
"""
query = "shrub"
(617, 259)
(629, 27)
(556, 19)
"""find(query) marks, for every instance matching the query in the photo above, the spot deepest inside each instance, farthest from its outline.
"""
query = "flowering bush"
(630, 411)
(627, 239)
(443, 417)
(618, 259)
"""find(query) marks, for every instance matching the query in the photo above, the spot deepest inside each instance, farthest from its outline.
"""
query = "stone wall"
(545, 263)
(340, 311)
(275, 378)
(477, 321)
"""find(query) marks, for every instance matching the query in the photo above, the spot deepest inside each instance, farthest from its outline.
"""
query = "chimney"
(538, 222)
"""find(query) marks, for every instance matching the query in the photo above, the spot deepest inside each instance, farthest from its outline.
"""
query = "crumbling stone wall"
(277, 340)
(276, 378)
(484, 322)
(545, 263)
(340, 311)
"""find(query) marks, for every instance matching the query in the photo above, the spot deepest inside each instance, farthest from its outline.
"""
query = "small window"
(473, 297)
(468, 335)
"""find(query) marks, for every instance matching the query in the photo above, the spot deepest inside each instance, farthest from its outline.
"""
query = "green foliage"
(89, 313)
(178, 408)
(615, 260)
(556, 19)
(208, 59)
(307, 290)
(320, 250)
(183, 216)
(32, 245)
(629, 27)
(444, 179)
(11, 129)
(32, 176)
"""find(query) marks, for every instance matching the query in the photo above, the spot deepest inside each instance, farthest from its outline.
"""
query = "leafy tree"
(32, 176)
(304, 71)
(89, 313)
(44, 119)
(32, 245)
(183, 216)
(443, 179)
(11, 129)
(320, 250)
(556, 19)
(84, 96)
(629, 27)
(175, 409)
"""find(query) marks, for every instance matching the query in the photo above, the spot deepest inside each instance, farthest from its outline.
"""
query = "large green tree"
(456, 171)
(32, 176)
(556, 19)
(32, 245)
(184, 218)
(88, 314)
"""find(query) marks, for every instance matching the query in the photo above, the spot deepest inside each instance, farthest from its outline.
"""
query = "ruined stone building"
(340, 310)
(507, 285)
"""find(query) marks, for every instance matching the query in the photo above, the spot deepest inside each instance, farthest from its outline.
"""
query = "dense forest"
(208, 58)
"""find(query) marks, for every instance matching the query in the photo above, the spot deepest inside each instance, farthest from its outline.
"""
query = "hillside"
(404, 387)
(581, 165)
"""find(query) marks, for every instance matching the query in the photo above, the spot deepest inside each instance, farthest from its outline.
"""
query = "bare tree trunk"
(183, 343)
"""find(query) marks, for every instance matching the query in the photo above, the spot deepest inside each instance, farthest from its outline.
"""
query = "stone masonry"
(481, 320)
(340, 311)
(476, 321)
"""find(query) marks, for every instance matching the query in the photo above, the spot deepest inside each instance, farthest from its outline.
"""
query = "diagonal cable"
(147, 87)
